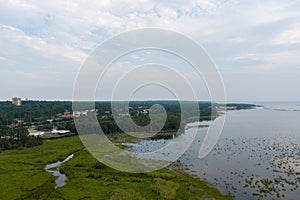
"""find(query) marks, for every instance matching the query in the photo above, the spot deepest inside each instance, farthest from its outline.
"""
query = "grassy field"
(22, 176)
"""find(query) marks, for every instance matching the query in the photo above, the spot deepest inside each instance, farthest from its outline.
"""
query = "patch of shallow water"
(54, 169)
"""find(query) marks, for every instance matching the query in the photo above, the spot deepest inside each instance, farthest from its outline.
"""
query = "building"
(33, 132)
(16, 101)
(60, 132)
(80, 113)
(54, 131)
(66, 116)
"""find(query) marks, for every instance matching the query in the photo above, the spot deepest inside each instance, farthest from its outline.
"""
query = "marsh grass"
(22, 176)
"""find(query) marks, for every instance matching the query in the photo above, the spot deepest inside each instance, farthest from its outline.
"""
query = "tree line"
(38, 113)
(17, 138)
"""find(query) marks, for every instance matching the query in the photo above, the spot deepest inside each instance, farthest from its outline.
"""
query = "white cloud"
(250, 56)
(55, 36)
(20, 46)
(288, 37)
(3, 58)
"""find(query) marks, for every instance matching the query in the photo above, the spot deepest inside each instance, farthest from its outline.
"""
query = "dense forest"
(45, 115)
(31, 111)
(17, 138)
(173, 110)
(38, 112)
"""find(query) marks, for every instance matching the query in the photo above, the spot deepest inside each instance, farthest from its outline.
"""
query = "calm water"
(54, 169)
(257, 155)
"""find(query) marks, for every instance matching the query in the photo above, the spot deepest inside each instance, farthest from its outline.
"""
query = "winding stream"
(54, 169)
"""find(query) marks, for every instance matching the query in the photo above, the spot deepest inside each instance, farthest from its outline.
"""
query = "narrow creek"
(54, 169)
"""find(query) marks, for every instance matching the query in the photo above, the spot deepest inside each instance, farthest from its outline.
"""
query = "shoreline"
(89, 178)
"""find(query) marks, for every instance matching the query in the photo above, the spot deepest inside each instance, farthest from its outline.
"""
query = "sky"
(254, 44)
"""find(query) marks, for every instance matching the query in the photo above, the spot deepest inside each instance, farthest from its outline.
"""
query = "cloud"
(52, 38)
(288, 37)
(20, 47)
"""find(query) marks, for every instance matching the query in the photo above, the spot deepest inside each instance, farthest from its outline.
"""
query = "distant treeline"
(240, 106)
(173, 110)
(32, 111)
(38, 113)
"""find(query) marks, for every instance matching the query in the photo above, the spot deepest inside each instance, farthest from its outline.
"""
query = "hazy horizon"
(97, 100)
